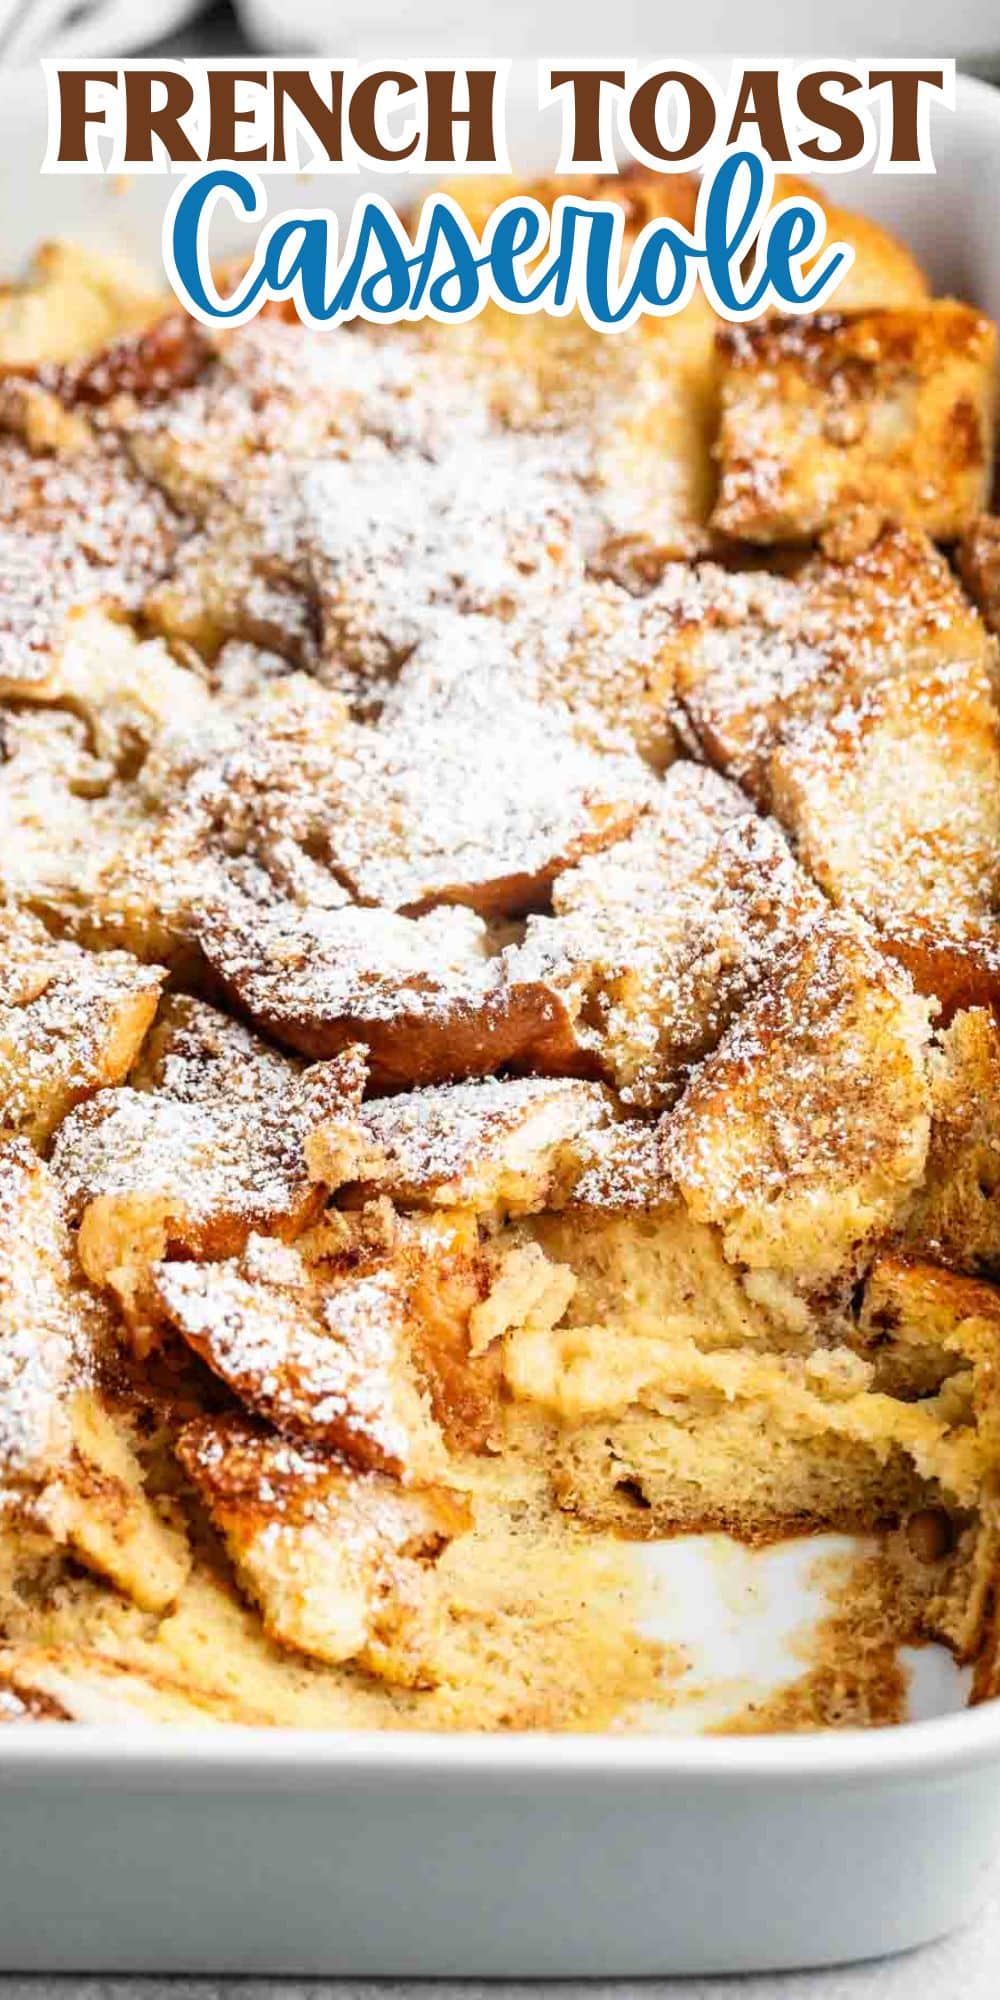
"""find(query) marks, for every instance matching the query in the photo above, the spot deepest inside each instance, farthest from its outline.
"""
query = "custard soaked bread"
(498, 1037)
(815, 689)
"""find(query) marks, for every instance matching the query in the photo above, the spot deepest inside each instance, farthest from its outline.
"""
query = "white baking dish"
(127, 1848)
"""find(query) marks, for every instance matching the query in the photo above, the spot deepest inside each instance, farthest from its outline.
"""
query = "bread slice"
(954, 1218)
(654, 945)
(425, 995)
(761, 650)
(806, 1131)
(324, 1353)
(205, 1147)
(840, 423)
(978, 557)
(639, 413)
(70, 1023)
(920, 860)
(340, 1563)
(70, 1477)
(498, 1146)
(71, 302)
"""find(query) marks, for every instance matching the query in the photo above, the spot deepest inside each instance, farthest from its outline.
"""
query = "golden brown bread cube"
(358, 1339)
(206, 1147)
(640, 411)
(816, 688)
(759, 651)
(272, 388)
(509, 1145)
(75, 529)
(836, 424)
(325, 1354)
(979, 567)
(632, 418)
(884, 271)
(467, 791)
(340, 1562)
(893, 805)
(215, 592)
(922, 1327)
(344, 562)
(68, 1470)
(955, 1214)
(609, 658)
(71, 1022)
(805, 1134)
(227, 786)
(127, 690)
(636, 413)
(247, 790)
(424, 995)
(71, 302)
(655, 944)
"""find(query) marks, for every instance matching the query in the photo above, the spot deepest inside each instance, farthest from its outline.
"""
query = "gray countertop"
(963, 1967)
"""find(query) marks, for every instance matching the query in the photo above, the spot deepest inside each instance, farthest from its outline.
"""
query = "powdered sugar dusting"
(46, 1321)
(322, 1355)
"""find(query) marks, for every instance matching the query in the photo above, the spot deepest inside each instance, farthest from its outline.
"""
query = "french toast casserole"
(499, 1053)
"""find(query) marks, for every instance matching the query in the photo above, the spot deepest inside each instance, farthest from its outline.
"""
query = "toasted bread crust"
(880, 416)
(811, 688)
(979, 567)
(70, 1024)
(955, 1216)
(208, 1148)
(338, 1563)
(71, 304)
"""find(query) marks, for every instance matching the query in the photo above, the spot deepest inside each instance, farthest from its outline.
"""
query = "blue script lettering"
(748, 253)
